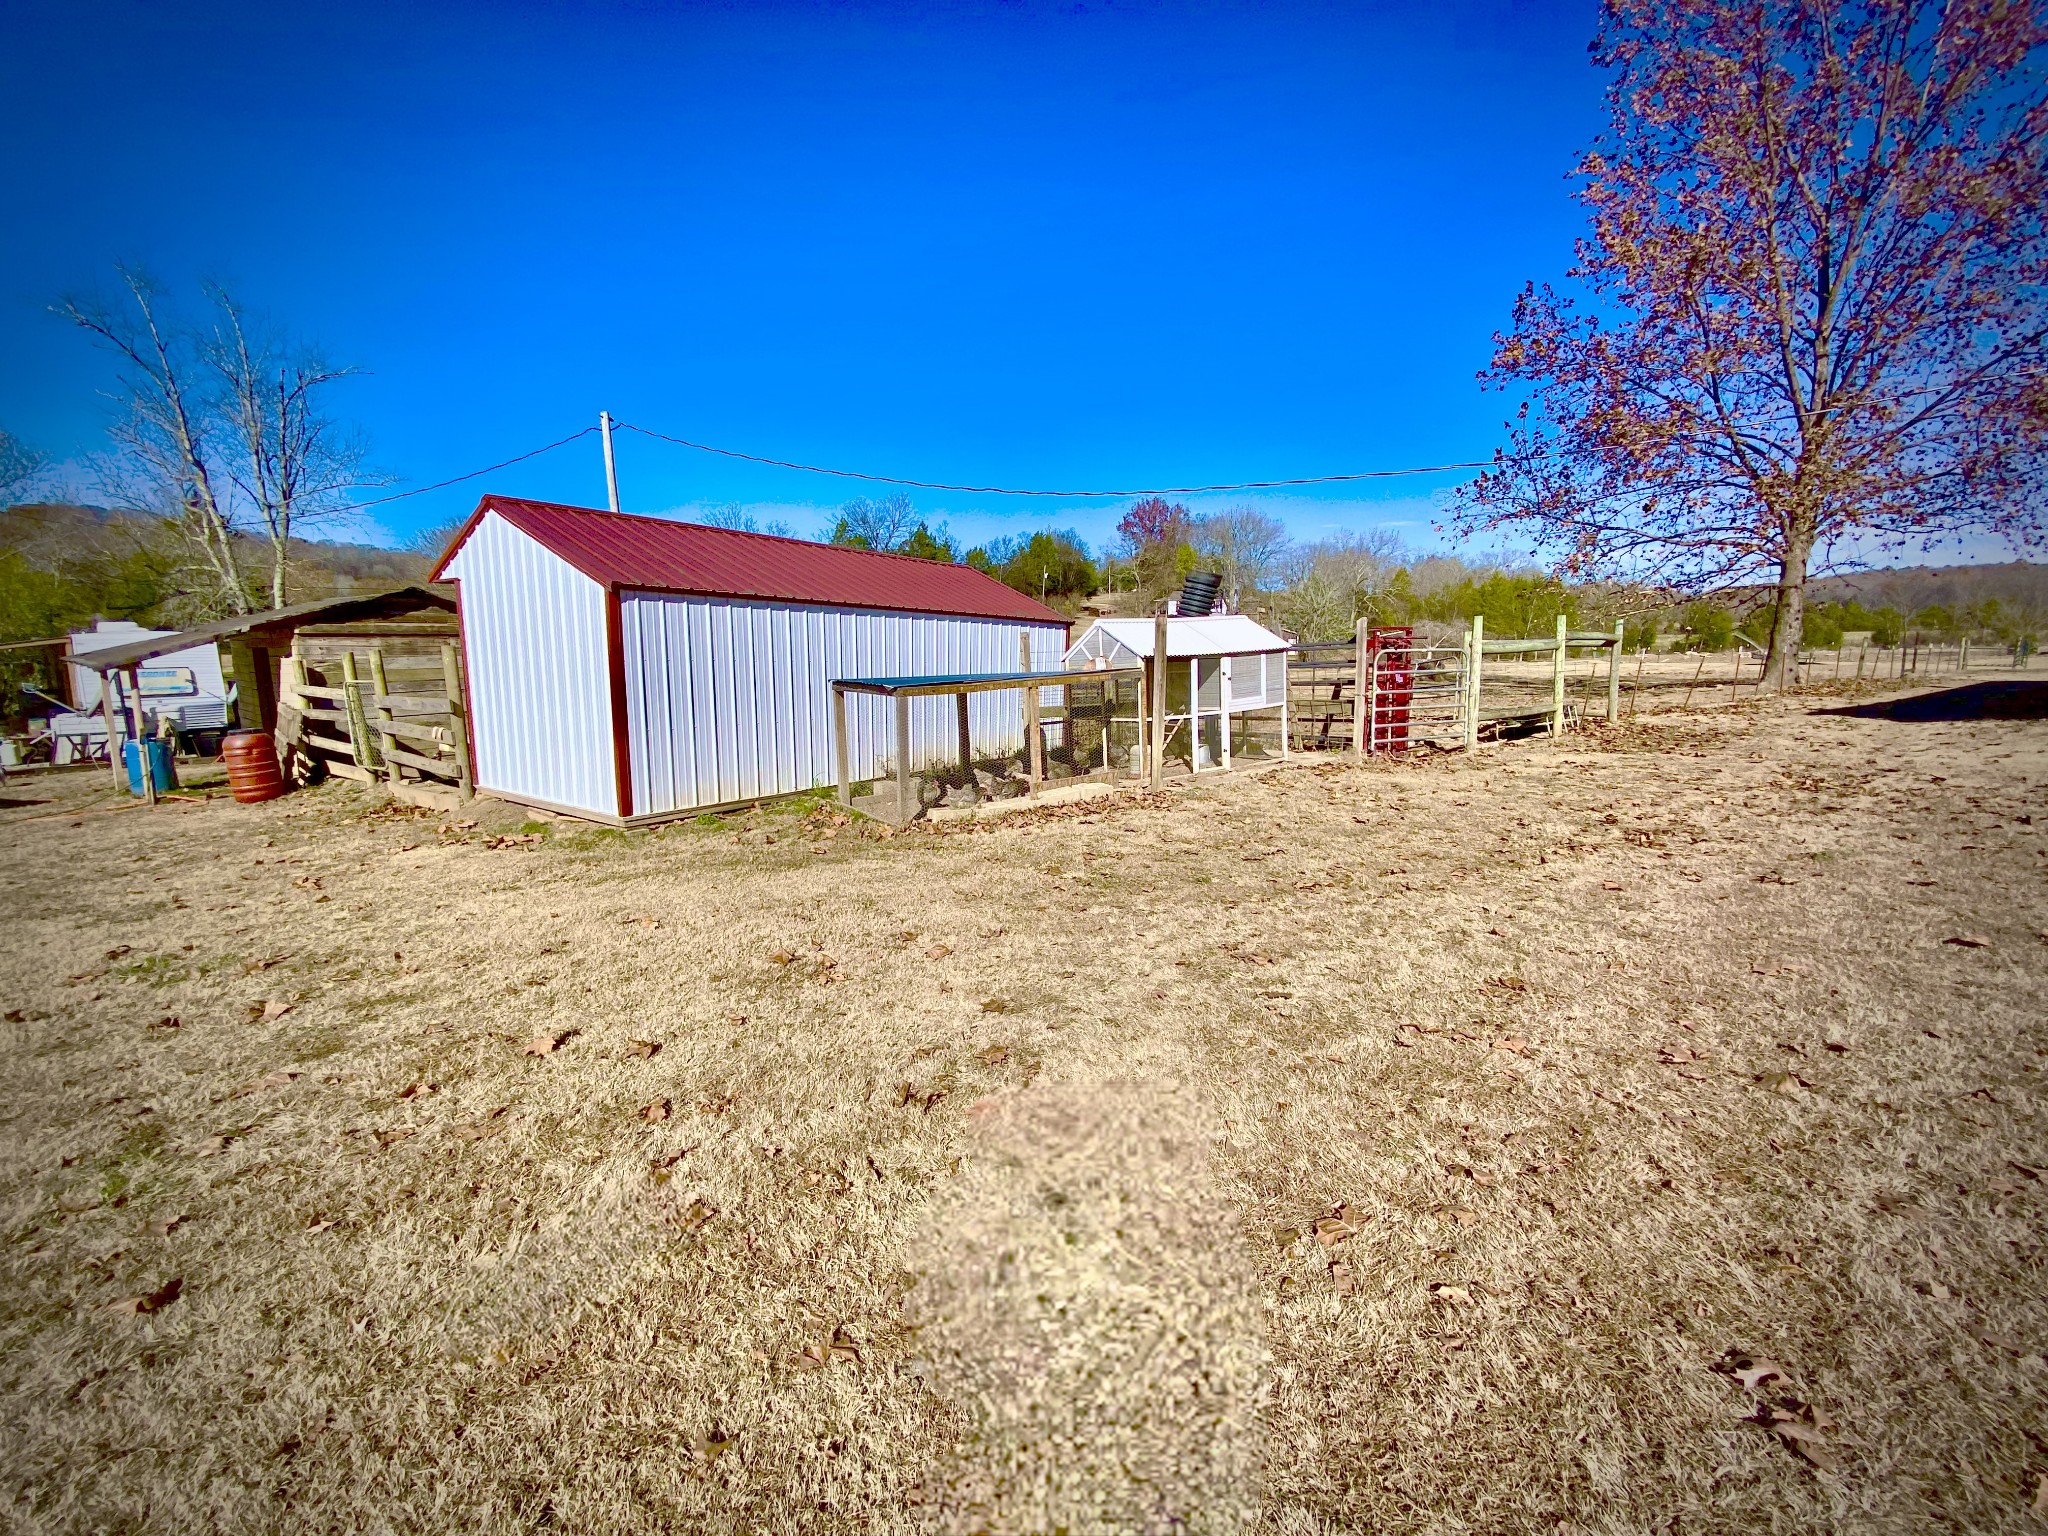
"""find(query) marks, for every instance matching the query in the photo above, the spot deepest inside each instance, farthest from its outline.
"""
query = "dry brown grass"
(987, 1188)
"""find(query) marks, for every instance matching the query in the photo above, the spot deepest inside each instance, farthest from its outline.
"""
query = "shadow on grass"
(1973, 701)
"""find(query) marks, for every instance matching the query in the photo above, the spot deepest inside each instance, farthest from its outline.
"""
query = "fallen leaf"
(119, 950)
(1287, 1237)
(1331, 1231)
(938, 951)
(993, 1055)
(782, 957)
(272, 1080)
(646, 1048)
(1673, 1055)
(171, 1224)
(1753, 1373)
(1806, 1440)
(313, 1229)
(1610, 885)
(1450, 1293)
(656, 1112)
(708, 1446)
(213, 1146)
(271, 1008)
(168, 1021)
(490, 1125)
(545, 1044)
(1518, 1044)
(417, 1089)
(1340, 1277)
(1969, 941)
(994, 1005)
(392, 1135)
(1508, 983)
(154, 1301)
(2041, 1493)
(844, 1348)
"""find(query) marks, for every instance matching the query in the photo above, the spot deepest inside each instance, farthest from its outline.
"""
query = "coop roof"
(1219, 634)
(619, 550)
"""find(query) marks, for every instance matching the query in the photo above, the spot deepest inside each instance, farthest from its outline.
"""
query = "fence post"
(352, 706)
(1155, 758)
(1614, 678)
(1034, 740)
(1557, 683)
(1475, 641)
(906, 807)
(458, 718)
(381, 683)
(839, 755)
(1361, 686)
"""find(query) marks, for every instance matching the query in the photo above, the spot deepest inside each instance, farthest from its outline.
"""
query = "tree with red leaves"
(1157, 531)
(1154, 521)
(1814, 300)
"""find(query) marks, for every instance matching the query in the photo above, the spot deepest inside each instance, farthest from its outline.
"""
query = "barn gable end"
(534, 636)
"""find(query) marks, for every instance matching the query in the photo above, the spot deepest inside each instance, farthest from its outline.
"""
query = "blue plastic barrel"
(163, 770)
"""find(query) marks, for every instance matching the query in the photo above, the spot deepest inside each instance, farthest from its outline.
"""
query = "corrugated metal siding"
(539, 680)
(732, 700)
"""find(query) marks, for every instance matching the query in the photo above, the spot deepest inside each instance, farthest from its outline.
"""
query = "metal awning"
(119, 658)
(978, 682)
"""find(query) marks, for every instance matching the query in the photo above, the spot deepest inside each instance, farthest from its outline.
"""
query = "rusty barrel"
(252, 766)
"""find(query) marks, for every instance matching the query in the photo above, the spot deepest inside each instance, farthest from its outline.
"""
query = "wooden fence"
(402, 722)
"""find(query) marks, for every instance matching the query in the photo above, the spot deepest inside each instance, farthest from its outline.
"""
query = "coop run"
(1225, 685)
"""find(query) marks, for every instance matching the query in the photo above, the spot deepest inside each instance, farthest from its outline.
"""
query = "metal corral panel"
(733, 700)
(533, 630)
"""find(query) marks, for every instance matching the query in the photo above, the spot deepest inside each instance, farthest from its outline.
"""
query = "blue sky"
(1071, 246)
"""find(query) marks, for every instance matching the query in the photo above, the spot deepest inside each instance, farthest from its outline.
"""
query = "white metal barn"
(1234, 665)
(631, 668)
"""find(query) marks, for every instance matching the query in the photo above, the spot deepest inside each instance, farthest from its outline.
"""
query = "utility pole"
(611, 467)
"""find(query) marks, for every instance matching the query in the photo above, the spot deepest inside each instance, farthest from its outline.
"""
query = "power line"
(999, 490)
(442, 485)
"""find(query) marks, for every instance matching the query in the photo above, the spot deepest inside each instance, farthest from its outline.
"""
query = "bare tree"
(223, 432)
(166, 439)
(736, 517)
(294, 464)
(879, 523)
(1245, 546)
(19, 466)
(1335, 584)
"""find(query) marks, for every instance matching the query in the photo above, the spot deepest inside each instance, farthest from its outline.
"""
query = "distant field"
(1446, 1145)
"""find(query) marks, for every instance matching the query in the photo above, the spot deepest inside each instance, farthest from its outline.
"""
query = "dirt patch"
(1637, 1131)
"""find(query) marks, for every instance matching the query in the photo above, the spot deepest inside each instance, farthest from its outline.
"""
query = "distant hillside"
(65, 564)
(1909, 589)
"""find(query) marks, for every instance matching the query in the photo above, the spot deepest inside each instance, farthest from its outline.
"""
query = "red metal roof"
(654, 554)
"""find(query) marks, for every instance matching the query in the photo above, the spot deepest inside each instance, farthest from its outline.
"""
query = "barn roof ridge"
(816, 577)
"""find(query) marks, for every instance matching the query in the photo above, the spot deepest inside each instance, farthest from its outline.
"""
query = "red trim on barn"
(658, 555)
(622, 743)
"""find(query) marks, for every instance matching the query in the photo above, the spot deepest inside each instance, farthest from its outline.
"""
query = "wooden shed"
(259, 649)
(628, 669)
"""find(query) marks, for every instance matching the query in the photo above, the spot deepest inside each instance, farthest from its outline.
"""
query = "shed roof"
(620, 550)
(1216, 634)
(356, 606)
